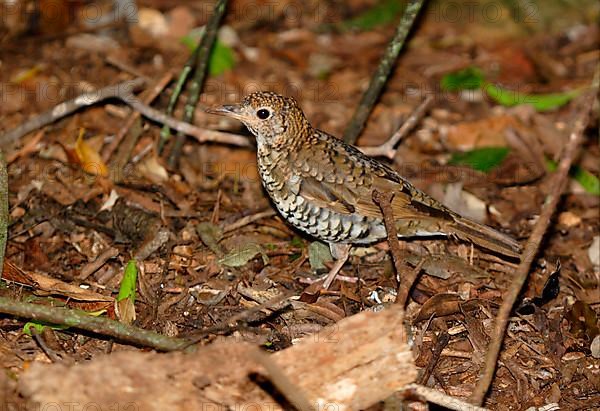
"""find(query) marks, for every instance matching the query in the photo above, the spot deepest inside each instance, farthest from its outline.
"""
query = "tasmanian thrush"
(323, 186)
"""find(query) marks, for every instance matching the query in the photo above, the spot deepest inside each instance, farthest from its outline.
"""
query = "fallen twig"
(124, 92)
(152, 94)
(561, 179)
(384, 201)
(382, 73)
(93, 266)
(441, 342)
(65, 108)
(200, 134)
(98, 325)
(387, 149)
(39, 339)
(249, 219)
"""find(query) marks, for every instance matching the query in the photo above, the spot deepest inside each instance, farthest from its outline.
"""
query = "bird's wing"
(327, 195)
(355, 197)
(343, 179)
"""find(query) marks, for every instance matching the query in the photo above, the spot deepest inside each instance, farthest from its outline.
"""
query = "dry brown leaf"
(125, 311)
(439, 305)
(46, 285)
(90, 159)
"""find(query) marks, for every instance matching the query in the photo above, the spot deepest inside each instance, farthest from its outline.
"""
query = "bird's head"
(275, 120)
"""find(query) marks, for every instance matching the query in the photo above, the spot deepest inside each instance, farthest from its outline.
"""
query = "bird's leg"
(340, 252)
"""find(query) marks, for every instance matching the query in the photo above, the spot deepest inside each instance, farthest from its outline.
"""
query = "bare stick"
(156, 90)
(249, 219)
(561, 179)
(441, 342)
(200, 134)
(384, 201)
(387, 149)
(205, 47)
(411, 277)
(54, 357)
(98, 325)
(124, 92)
(63, 109)
(382, 73)
(93, 266)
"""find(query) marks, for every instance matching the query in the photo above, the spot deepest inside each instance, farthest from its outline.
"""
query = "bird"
(323, 186)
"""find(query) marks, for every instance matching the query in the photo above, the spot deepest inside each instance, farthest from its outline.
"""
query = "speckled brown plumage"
(324, 186)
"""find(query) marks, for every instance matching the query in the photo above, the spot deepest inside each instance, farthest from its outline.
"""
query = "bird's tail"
(486, 237)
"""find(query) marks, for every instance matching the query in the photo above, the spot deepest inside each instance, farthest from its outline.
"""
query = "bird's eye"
(263, 114)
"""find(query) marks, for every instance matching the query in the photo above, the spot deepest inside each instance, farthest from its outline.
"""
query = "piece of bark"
(353, 364)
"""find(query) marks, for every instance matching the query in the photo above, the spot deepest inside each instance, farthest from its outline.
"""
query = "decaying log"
(351, 365)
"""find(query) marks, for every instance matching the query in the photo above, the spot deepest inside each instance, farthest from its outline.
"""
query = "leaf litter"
(198, 278)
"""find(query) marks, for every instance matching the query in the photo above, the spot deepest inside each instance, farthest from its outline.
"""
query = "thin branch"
(205, 47)
(409, 280)
(63, 109)
(39, 339)
(98, 325)
(441, 342)
(200, 134)
(369, 98)
(124, 92)
(561, 179)
(93, 266)
(152, 94)
(249, 219)
(384, 201)
(387, 149)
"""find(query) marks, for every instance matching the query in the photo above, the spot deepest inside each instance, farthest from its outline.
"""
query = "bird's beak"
(234, 111)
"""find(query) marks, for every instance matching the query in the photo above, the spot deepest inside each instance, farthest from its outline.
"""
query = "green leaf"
(482, 159)
(40, 325)
(470, 78)
(587, 180)
(129, 282)
(541, 102)
(383, 13)
(241, 256)
(318, 254)
(222, 57)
